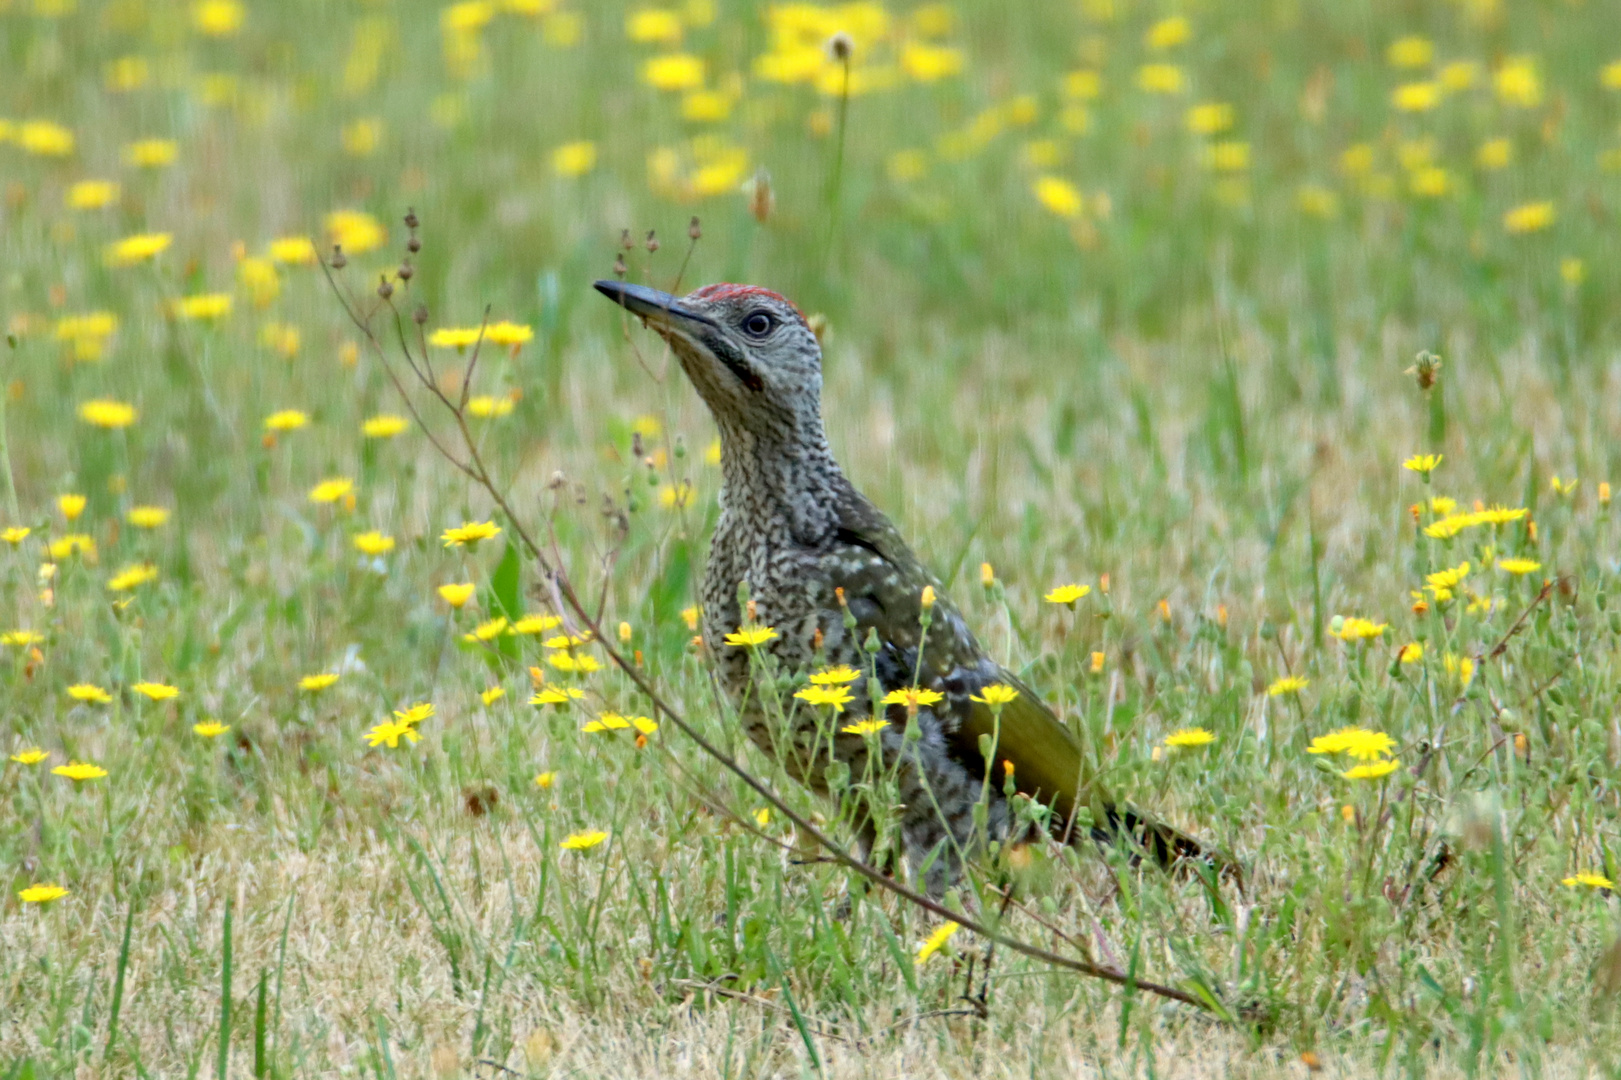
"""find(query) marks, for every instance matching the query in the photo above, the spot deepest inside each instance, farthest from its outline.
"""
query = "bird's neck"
(785, 479)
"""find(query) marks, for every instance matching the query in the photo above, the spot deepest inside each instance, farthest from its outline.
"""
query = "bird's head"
(748, 351)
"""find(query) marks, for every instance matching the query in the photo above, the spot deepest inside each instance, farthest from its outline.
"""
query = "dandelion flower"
(314, 684)
(41, 894)
(1288, 684)
(1190, 737)
(330, 491)
(750, 636)
(580, 841)
(32, 756)
(1359, 629)
(132, 576)
(545, 780)
(674, 71)
(384, 426)
(575, 158)
(20, 638)
(1371, 771)
(913, 697)
(457, 595)
(842, 673)
(152, 154)
(147, 517)
(1160, 79)
(1528, 218)
(582, 665)
(865, 727)
(218, 18)
(79, 770)
(203, 307)
(71, 544)
(1518, 566)
(1423, 464)
(1416, 97)
(1059, 196)
(1589, 879)
(210, 729)
(417, 713)
(15, 535)
(390, 733)
(1359, 743)
(355, 231)
(293, 251)
(536, 624)
(556, 695)
(835, 696)
(470, 533)
(136, 249)
(484, 406)
(1067, 594)
(936, 941)
(156, 691)
(286, 420)
(107, 413)
(487, 631)
(509, 333)
(995, 694)
(1411, 653)
(373, 543)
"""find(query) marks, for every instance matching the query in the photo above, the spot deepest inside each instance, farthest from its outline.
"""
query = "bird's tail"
(1166, 845)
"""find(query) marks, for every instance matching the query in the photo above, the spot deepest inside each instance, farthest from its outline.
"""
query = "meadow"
(1283, 331)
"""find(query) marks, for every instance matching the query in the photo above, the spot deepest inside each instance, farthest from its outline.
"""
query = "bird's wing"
(883, 584)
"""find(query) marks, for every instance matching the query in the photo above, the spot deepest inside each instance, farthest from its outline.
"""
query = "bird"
(798, 549)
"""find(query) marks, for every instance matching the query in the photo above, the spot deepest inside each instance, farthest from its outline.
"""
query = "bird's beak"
(659, 309)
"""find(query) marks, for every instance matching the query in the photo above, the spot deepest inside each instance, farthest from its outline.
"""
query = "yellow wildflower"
(45, 139)
(80, 770)
(390, 733)
(218, 18)
(132, 576)
(293, 251)
(314, 684)
(32, 756)
(1359, 629)
(1168, 33)
(107, 413)
(583, 665)
(415, 714)
(1589, 879)
(41, 894)
(92, 195)
(1371, 771)
(1518, 83)
(865, 727)
(575, 158)
(545, 780)
(20, 638)
(1528, 218)
(1160, 78)
(73, 543)
(1067, 594)
(148, 517)
(1410, 52)
(507, 332)
(936, 941)
(1355, 742)
(536, 624)
(1424, 464)
(384, 426)
(492, 695)
(1189, 737)
(580, 841)
(355, 231)
(913, 697)
(15, 534)
(331, 490)
(1518, 566)
(469, 533)
(71, 506)
(1416, 96)
(1059, 196)
(203, 306)
(286, 420)
(1288, 684)
(554, 695)
(483, 405)
(749, 636)
(1411, 653)
(152, 154)
(373, 543)
(209, 729)
(156, 691)
(457, 594)
(1210, 118)
(674, 71)
(89, 693)
(487, 631)
(836, 696)
(995, 694)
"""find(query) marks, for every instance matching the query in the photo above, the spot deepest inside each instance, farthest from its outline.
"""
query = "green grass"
(1194, 387)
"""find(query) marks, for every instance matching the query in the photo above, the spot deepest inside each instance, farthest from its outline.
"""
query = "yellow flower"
(107, 413)
(92, 195)
(210, 728)
(89, 693)
(654, 25)
(79, 770)
(1498, 515)
(567, 641)
(32, 756)
(1459, 75)
(1372, 771)
(1495, 154)
(1168, 33)
(45, 139)
(71, 506)
(1059, 196)
(384, 426)
(132, 576)
(554, 695)
(148, 517)
(469, 533)
(64, 546)
(762, 816)
(705, 106)
(373, 543)
(1446, 580)
(455, 337)
(483, 405)
(1528, 218)
(1518, 566)
(355, 231)
(1410, 52)
(16, 534)
(583, 665)
(1360, 743)
(1359, 629)
(1411, 653)
(842, 673)
(926, 63)
(575, 158)
(1416, 96)
(492, 695)
(1067, 594)
(41, 894)
(1572, 270)
(217, 18)
(751, 636)
(580, 841)
(1460, 667)
(536, 624)
(545, 780)
(1227, 157)
(865, 727)
(836, 696)
(415, 714)
(1160, 78)
(457, 594)
(156, 691)
(487, 631)
(20, 638)
(936, 941)
(995, 694)
(1190, 737)
(507, 332)
(314, 684)
(1588, 878)
(674, 71)
(1424, 464)
(330, 491)
(1518, 83)
(286, 420)
(673, 497)
(1288, 684)
(913, 697)
(1210, 118)
(152, 154)
(293, 251)
(203, 306)
(391, 732)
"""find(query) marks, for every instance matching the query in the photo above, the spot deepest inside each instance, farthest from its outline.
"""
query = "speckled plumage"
(793, 530)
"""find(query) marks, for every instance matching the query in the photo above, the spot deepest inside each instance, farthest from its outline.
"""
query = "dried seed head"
(413, 245)
(652, 244)
(762, 199)
(420, 315)
(625, 241)
(636, 448)
(1426, 369)
(404, 272)
(411, 221)
(840, 47)
(620, 270)
(384, 289)
(339, 259)
(693, 229)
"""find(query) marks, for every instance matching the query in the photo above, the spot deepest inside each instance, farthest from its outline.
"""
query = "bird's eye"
(758, 324)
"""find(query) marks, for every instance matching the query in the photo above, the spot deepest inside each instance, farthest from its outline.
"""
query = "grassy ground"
(1111, 299)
